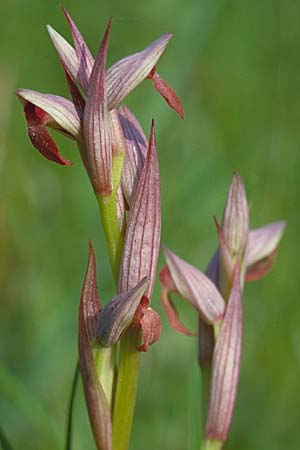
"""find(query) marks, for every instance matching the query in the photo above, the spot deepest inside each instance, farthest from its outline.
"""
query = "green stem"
(113, 234)
(212, 445)
(126, 390)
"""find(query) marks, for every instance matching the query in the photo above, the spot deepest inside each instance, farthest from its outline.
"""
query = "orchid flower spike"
(216, 295)
(95, 93)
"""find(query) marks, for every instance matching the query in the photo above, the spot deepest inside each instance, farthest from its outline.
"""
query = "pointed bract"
(96, 401)
(235, 223)
(96, 125)
(136, 150)
(196, 288)
(129, 72)
(226, 366)
(84, 58)
(118, 313)
(142, 239)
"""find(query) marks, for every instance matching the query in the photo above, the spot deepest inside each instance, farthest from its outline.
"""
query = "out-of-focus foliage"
(235, 65)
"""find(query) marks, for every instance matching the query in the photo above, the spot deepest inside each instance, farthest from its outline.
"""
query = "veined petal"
(65, 52)
(136, 150)
(235, 223)
(226, 366)
(129, 72)
(162, 87)
(96, 125)
(263, 241)
(63, 116)
(84, 58)
(195, 287)
(142, 239)
(97, 404)
(118, 313)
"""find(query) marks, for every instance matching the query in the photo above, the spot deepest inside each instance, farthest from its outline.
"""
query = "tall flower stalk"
(123, 170)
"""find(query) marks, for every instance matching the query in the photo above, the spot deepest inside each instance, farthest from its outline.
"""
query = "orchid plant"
(122, 166)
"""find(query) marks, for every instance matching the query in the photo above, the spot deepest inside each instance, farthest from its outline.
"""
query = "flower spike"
(96, 125)
(96, 401)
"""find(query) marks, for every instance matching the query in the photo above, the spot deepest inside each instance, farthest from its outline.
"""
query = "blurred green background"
(235, 66)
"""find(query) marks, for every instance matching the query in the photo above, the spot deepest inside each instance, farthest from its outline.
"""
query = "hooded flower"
(86, 118)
